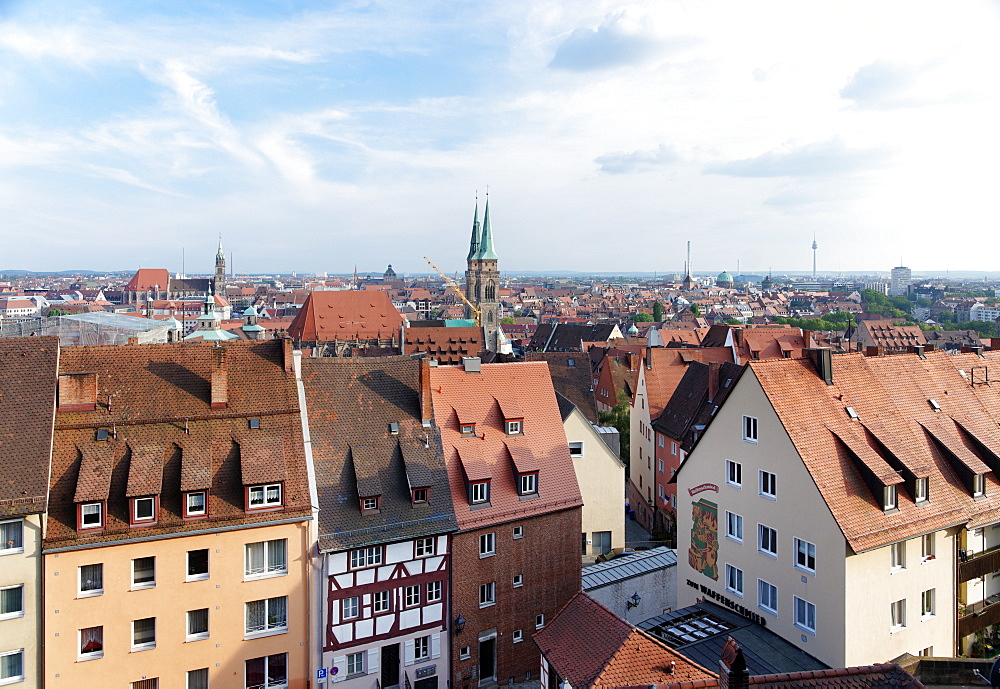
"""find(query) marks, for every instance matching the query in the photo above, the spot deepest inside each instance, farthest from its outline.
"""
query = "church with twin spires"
(482, 279)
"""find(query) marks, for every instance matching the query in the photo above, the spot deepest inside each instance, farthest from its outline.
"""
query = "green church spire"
(474, 244)
(486, 252)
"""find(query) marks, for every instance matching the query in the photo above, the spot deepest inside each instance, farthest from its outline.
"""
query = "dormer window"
(920, 492)
(979, 486)
(370, 504)
(419, 495)
(527, 484)
(91, 515)
(144, 510)
(260, 497)
(468, 429)
(195, 504)
(890, 499)
(479, 492)
(515, 426)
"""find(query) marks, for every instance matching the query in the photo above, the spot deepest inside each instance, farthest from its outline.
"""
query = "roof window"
(254, 424)
(852, 413)
(934, 404)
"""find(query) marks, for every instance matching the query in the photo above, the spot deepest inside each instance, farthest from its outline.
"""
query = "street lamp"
(459, 624)
(633, 602)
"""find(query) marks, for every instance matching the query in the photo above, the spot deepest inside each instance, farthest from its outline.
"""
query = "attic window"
(370, 504)
(514, 426)
(143, 510)
(890, 499)
(920, 490)
(91, 515)
(527, 484)
(264, 496)
(479, 492)
(254, 424)
(468, 429)
(102, 434)
(934, 404)
(979, 486)
(850, 412)
(393, 428)
(571, 363)
(419, 495)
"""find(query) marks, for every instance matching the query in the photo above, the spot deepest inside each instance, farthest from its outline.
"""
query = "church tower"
(482, 279)
(219, 284)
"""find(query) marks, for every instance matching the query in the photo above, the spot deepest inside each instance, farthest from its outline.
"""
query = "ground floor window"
(269, 672)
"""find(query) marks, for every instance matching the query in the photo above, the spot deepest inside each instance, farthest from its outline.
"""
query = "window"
(197, 564)
(12, 537)
(144, 634)
(265, 496)
(91, 515)
(927, 603)
(805, 615)
(369, 504)
(197, 624)
(514, 427)
(659, 440)
(269, 672)
(673, 448)
(927, 652)
(194, 504)
(143, 573)
(734, 526)
(576, 448)
(464, 653)
(380, 601)
(897, 613)
(767, 596)
(518, 636)
(734, 580)
(767, 540)
(366, 557)
(518, 580)
(351, 607)
(750, 429)
(539, 621)
(920, 493)
(768, 484)
(12, 666)
(927, 547)
(890, 499)
(487, 544)
(487, 594)
(11, 602)
(571, 362)
(518, 532)
(91, 642)
(528, 484)
(151, 683)
(91, 580)
(433, 591)
(197, 679)
(479, 492)
(419, 495)
(411, 596)
(897, 556)
(143, 509)
(659, 465)
(805, 555)
(468, 429)
(424, 547)
(268, 615)
(978, 485)
(421, 648)
(356, 663)
(734, 473)
(267, 558)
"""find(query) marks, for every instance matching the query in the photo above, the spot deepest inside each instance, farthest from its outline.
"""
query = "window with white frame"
(897, 556)
(487, 594)
(514, 426)
(266, 558)
(734, 580)
(673, 448)
(517, 636)
(423, 547)
(734, 473)
(734, 526)
(927, 604)
(528, 484)
(479, 492)
(356, 663)
(805, 615)
(143, 509)
(91, 580)
(750, 428)
(767, 596)
(434, 589)
(890, 498)
(920, 490)
(659, 439)
(91, 515)
(518, 580)
(411, 595)
(465, 653)
(380, 601)
(805, 555)
(197, 564)
(143, 573)
(351, 607)
(197, 679)
(659, 465)
(576, 448)
(767, 540)
(539, 621)
(11, 602)
(268, 672)
(897, 614)
(268, 495)
(366, 557)
(91, 643)
(197, 624)
(421, 648)
(267, 615)
(12, 666)
(927, 547)
(978, 485)
(487, 544)
(768, 484)
(369, 504)
(195, 503)
(12, 537)
(144, 634)
(518, 532)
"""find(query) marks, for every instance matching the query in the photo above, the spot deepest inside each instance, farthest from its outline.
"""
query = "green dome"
(724, 277)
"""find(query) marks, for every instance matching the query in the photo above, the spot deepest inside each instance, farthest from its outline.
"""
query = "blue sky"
(320, 136)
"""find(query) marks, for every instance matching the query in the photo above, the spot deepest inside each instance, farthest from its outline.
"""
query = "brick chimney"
(713, 379)
(426, 407)
(77, 392)
(872, 350)
(733, 673)
(822, 359)
(286, 354)
(220, 378)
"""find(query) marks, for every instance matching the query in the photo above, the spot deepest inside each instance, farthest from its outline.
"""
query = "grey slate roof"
(627, 566)
(766, 653)
(351, 403)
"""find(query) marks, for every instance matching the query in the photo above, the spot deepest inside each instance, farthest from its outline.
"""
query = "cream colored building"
(20, 600)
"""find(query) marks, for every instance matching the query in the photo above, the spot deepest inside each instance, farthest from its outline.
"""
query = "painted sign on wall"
(703, 555)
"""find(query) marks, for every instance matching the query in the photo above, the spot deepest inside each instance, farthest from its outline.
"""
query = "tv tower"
(814, 255)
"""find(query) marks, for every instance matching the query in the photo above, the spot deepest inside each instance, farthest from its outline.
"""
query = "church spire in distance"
(474, 244)
(486, 252)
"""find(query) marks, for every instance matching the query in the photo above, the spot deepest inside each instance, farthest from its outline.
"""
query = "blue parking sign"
(321, 673)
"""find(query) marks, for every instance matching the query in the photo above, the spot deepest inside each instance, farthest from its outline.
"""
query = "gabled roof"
(574, 382)
(668, 368)
(346, 316)
(447, 345)
(148, 278)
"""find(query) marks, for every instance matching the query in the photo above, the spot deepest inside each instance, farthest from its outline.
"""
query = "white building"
(899, 280)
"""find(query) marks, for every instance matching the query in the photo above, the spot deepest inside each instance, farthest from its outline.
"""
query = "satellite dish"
(995, 673)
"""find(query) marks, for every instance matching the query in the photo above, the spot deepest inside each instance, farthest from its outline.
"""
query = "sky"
(320, 136)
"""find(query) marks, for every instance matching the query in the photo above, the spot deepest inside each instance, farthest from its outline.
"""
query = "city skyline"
(316, 137)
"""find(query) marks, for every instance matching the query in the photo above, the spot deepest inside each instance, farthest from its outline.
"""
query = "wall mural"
(703, 555)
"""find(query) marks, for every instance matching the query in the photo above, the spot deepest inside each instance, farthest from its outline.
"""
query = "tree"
(657, 311)
(56, 312)
(507, 320)
(695, 311)
(643, 318)
(618, 417)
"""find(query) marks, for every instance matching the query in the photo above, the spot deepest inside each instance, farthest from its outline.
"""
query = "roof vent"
(254, 424)
(850, 412)
(394, 428)
(472, 364)
(934, 404)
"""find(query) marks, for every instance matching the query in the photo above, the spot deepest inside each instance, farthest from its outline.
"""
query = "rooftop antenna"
(814, 254)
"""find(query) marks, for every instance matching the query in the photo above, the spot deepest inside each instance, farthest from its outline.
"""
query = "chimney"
(738, 336)
(220, 378)
(822, 359)
(733, 672)
(918, 350)
(872, 350)
(77, 392)
(713, 379)
(807, 339)
(994, 344)
(972, 349)
(472, 364)
(648, 356)
(286, 354)
(426, 408)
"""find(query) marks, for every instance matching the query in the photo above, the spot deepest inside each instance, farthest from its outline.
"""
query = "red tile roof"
(447, 345)
(346, 316)
(148, 278)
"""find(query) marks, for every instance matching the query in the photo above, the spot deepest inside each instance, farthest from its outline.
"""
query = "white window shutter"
(340, 662)
(373, 665)
(435, 645)
(408, 652)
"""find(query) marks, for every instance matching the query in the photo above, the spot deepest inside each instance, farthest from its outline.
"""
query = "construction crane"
(475, 312)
